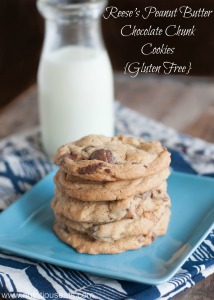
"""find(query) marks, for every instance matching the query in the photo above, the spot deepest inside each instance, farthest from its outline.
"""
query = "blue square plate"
(26, 229)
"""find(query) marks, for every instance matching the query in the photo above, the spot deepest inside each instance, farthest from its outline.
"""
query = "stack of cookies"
(111, 193)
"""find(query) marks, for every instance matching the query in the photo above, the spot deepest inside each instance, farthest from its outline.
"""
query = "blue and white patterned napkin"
(23, 163)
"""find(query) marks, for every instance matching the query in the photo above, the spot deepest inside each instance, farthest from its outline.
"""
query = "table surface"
(184, 103)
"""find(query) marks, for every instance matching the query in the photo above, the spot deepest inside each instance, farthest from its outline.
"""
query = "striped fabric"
(22, 164)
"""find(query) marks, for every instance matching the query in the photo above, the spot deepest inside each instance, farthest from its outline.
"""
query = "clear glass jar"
(75, 79)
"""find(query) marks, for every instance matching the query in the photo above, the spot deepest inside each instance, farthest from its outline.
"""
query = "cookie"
(85, 244)
(87, 190)
(113, 231)
(109, 211)
(100, 158)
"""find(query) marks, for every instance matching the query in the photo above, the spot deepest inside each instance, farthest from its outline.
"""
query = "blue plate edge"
(31, 255)
(53, 261)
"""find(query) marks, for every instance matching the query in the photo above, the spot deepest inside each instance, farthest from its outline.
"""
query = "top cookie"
(101, 158)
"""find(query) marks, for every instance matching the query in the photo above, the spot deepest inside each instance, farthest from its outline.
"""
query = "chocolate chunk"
(166, 198)
(63, 227)
(141, 239)
(108, 171)
(73, 155)
(145, 195)
(94, 228)
(90, 169)
(102, 154)
(153, 237)
(129, 214)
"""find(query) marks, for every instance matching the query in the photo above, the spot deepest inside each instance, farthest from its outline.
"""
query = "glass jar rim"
(67, 8)
(66, 4)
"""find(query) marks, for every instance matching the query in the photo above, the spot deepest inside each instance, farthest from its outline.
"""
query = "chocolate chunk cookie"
(88, 190)
(109, 211)
(100, 158)
(113, 231)
(85, 244)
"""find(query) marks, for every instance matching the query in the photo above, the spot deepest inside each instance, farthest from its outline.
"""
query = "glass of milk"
(75, 78)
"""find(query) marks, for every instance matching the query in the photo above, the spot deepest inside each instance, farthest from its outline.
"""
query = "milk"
(75, 95)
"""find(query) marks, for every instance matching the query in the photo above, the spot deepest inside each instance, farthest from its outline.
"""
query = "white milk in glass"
(75, 95)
